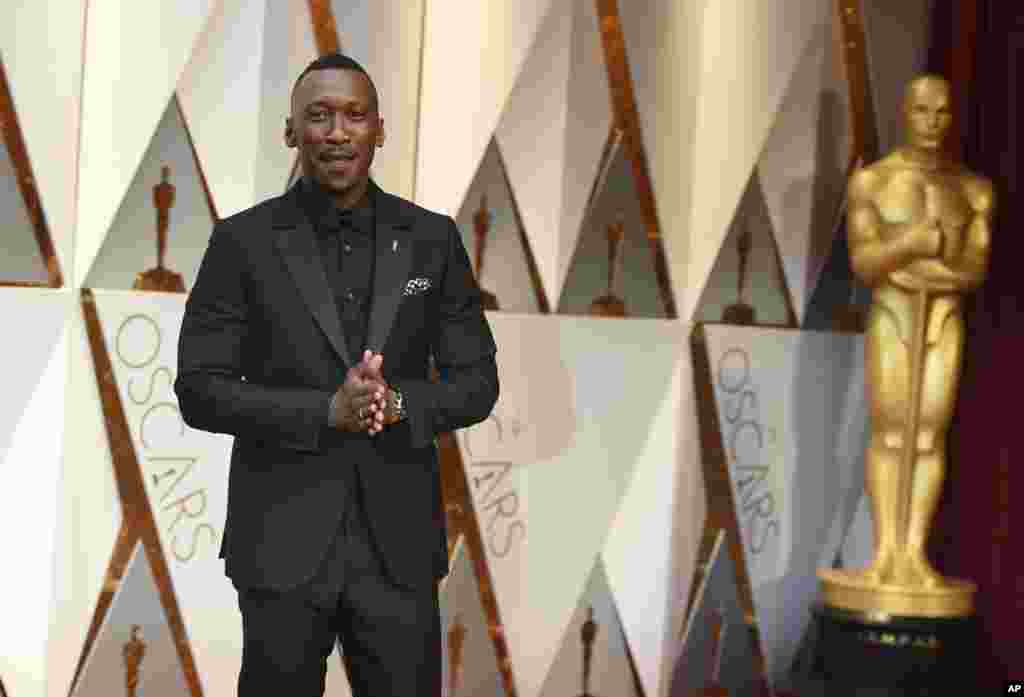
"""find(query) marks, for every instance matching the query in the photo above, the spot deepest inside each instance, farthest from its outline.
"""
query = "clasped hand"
(361, 403)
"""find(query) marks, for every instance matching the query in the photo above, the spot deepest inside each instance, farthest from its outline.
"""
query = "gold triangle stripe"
(463, 525)
(139, 523)
(721, 506)
(627, 117)
(325, 29)
(531, 262)
(855, 56)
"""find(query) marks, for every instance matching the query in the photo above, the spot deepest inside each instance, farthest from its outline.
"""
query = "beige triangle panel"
(532, 135)
(38, 266)
(219, 95)
(736, 106)
(386, 38)
(456, 124)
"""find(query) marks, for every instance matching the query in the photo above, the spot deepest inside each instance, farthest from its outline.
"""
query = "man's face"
(336, 128)
(927, 113)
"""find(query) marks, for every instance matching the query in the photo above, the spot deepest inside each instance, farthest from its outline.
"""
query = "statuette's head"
(335, 123)
(927, 111)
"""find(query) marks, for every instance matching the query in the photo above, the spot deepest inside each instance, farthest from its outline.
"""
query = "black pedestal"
(897, 657)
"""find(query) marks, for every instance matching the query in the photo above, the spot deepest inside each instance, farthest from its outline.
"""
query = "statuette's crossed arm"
(873, 256)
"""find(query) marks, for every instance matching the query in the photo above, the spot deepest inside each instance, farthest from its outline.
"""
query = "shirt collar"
(327, 217)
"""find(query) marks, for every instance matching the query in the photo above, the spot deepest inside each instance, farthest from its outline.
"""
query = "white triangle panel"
(532, 134)
(89, 513)
(506, 270)
(589, 122)
(386, 37)
(595, 629)
(185, 471)
(554, 431)
(740, 92)
(456, 122)
(30, 467)
(41, 47)
(219, 92)
(650, 574)
(803, 163)
(134, 55)
(780, 397)
(663, 46)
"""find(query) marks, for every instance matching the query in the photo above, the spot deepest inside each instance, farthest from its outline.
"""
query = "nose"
(337, 132)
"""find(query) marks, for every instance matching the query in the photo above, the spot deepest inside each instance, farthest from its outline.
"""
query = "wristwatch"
(398, 403)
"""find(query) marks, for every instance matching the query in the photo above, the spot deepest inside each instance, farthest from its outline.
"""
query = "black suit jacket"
(261, 353)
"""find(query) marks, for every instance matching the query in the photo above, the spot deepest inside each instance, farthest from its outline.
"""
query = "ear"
(381, 134)
(290, 139)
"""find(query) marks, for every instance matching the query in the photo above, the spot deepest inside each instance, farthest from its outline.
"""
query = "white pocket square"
(415, 286)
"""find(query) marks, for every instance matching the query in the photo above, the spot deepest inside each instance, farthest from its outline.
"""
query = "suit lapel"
(393, 256)
(296, 242)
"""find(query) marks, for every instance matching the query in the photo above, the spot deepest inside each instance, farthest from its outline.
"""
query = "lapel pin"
(394, 245)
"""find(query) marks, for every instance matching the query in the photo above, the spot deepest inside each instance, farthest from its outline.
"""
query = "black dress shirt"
(346, 240)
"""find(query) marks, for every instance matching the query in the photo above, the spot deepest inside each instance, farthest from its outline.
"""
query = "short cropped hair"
(336, 61)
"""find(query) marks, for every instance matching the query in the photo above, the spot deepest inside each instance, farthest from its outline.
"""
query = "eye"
(357, 115)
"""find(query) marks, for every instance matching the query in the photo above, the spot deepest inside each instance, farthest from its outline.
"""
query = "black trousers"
(390, 635)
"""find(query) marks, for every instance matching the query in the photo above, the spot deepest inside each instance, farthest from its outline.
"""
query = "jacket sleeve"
(213, 393)
(464, 353)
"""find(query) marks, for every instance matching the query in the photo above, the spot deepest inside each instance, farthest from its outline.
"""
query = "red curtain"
(979, 45)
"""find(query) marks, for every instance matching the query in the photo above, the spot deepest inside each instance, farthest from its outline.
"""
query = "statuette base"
(849, 591)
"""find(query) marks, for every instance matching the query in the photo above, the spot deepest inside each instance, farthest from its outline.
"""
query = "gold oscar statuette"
(713, 688)
(481, 226)
(133, 651)
(161, 278)
(456, 642)
(588, 633)
(741, 312)
(919, 233)
(609, 304)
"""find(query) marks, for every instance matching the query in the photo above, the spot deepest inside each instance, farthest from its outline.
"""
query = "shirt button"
(347, 248)
(350, 296)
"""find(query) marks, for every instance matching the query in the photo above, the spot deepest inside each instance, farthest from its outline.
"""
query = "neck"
(924, 158)
(351, 197)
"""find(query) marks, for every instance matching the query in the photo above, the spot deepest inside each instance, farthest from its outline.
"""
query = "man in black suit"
(334, 525)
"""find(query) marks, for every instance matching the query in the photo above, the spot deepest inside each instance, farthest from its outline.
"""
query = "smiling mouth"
(335, 158)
